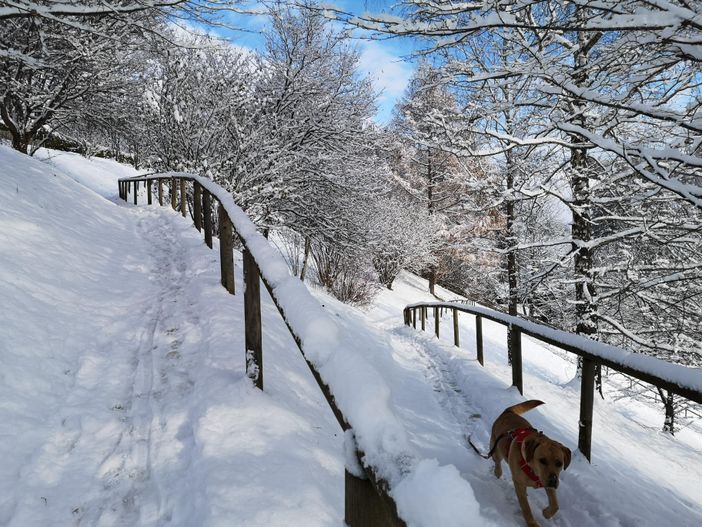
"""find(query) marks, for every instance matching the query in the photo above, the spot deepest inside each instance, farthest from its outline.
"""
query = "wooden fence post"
(414, 318)
(148, 192)
(587, 397)
(423, 313)
(252, 318)
(363, 507)
(183, 198)
(207, 217)
(197, 205)
(479, 338)
(173, 193)
(160, 192)
(136, 191)
(226, 256)
(436, 322)
(515, 344)
(456, 336)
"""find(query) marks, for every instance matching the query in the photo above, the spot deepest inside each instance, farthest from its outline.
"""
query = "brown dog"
(534, 460)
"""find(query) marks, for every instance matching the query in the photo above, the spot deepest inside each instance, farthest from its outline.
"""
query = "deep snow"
(125, 401)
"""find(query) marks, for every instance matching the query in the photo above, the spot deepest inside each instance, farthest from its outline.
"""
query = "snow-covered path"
(115, 421)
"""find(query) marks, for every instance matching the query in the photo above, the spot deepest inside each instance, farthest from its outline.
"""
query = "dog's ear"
(566, 456)
(530, 444)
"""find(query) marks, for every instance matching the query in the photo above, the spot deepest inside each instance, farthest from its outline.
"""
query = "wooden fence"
(367, 499)
(592, 353)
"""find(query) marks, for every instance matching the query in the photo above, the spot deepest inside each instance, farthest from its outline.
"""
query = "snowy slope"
(122, 386)
(125, 401)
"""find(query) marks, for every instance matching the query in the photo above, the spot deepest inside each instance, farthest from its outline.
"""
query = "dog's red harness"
(519, 435)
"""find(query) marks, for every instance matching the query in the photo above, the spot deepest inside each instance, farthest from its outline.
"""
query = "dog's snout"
(552, 481)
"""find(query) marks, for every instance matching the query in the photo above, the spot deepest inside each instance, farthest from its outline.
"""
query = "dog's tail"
(524, 407)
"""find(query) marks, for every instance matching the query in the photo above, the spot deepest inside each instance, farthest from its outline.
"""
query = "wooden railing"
(686, 382)
(367, 498)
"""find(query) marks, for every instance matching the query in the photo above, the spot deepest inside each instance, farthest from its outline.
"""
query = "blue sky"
(382, 60)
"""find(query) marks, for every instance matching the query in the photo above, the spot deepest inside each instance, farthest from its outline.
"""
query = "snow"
(333, 347)
(125, 399)
(122, 379)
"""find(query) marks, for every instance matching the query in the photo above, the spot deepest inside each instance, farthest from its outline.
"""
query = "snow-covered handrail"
(678, 379)
(384, 475)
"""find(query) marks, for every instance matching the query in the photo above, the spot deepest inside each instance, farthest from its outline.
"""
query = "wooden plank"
(479, 339)
(364, 506)
(160, 192)
(148, 192)
(424, 318)
(587, 398)
(226, 255)
(183, 198)
(207, 217)
(136, 191)
(514, 344)
(252, 320)
(456, 336)
(197, 205)
(414, 318)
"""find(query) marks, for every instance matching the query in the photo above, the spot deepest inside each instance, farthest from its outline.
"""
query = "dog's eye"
(559, 464)
(543, 461)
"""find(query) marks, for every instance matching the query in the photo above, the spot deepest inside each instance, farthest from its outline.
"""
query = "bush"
(347, 276)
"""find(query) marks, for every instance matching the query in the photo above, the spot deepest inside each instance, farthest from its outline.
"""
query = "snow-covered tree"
(403, 236)
(306, 152)
(426, 165)
(57, 74)
(196, 97)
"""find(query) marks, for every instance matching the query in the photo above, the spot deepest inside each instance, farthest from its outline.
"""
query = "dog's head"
(546, 457)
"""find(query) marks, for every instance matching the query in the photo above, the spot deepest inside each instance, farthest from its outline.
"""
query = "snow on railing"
(675, 378)
(385, 479)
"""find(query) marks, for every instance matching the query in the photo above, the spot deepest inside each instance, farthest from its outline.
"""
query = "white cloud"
(389, 73)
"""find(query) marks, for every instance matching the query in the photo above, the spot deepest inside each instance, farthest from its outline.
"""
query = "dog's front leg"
(552, 503)
(524, 504)
(498, 467)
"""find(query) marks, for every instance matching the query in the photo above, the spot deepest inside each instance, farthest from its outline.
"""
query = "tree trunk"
(305, 258)
(20, 142)
(511, 252)
(430, 203)
(511, 240)
(21, 139)
(581, 229)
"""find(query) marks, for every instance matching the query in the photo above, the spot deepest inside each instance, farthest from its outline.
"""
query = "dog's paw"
(497, 471)
(548, 513)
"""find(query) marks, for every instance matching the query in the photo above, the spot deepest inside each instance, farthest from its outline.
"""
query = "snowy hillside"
(125, 400)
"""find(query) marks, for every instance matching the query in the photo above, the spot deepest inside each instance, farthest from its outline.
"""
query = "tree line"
(545, 158)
